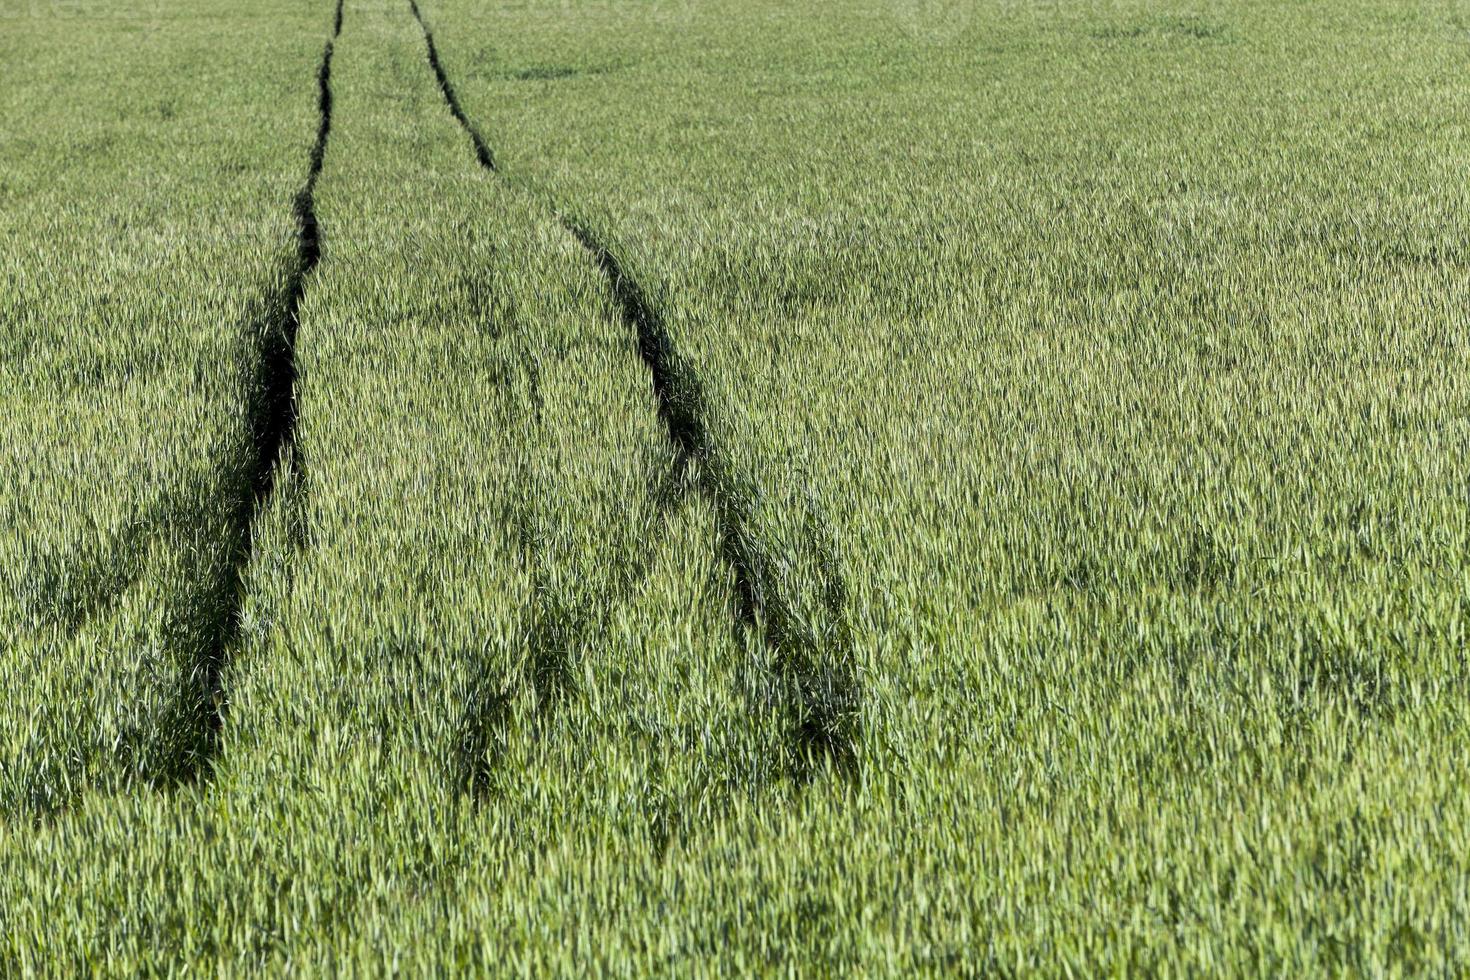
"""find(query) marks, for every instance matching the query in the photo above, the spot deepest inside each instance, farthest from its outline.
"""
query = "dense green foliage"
(869, 487)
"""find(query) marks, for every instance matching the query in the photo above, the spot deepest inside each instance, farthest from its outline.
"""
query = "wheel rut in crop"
(271, 443)
(482, 150)
(811, 681)
(556, 631)
(202, 533)
(518, 692)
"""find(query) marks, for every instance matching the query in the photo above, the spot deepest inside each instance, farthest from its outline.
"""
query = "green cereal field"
(735, 488)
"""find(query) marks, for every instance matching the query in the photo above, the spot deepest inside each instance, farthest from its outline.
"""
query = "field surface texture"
(729, 487)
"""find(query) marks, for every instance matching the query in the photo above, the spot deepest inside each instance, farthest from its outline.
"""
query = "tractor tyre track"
(815, 685)
(816, 690)
(270, 445)
(214, 522)
(482, 150)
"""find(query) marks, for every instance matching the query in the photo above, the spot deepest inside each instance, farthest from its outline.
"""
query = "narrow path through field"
(814, 683)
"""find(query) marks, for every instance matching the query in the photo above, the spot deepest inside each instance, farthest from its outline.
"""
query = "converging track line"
(273, 416)
(482, 151)
(817, 691)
